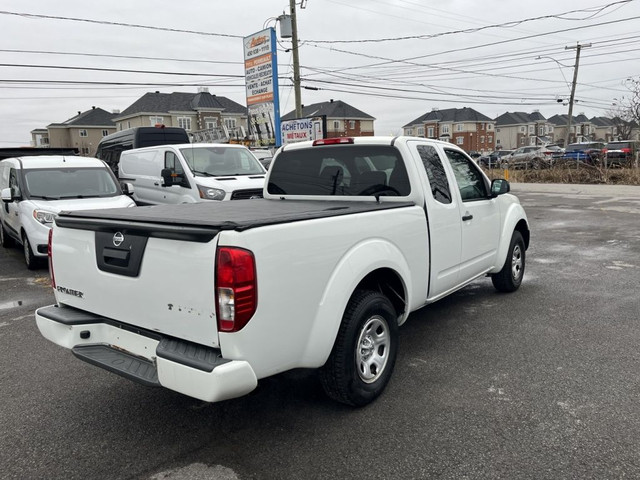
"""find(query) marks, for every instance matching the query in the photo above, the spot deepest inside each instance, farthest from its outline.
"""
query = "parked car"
(35, 190)
(111, 147)
(531, 157)
(473, 154)
(493, 159)
(589, 153)
(264, 157)
(621, 153)
(192, 172)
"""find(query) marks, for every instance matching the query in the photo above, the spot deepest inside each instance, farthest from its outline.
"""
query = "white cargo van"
(35, 189)
(188, 173)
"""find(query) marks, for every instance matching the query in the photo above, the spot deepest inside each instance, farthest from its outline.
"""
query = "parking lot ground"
(539, 384)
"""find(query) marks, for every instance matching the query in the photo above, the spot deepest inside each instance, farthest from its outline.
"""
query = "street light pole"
(296, 59)
(578, 47)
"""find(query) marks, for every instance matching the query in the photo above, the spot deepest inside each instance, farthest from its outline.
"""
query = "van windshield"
(221, 161)
(55, 184)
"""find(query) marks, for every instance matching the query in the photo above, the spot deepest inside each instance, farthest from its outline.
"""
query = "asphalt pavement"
(539, 384)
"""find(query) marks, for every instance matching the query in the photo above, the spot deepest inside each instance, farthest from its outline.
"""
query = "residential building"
(611, 129)
(519, 129)
(40, 138)
(342, 120)
(582, 130)
(467, 128)
(191, 111)
(84, 131)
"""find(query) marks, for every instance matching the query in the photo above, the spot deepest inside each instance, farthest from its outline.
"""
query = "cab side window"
(436, 173)
(470, 181)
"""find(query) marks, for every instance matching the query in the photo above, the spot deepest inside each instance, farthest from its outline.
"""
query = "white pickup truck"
(353, 234)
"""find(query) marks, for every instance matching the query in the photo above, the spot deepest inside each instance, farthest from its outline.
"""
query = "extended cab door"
(443, 218)
(480, 216)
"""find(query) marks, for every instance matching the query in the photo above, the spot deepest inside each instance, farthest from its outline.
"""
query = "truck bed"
(212, 217)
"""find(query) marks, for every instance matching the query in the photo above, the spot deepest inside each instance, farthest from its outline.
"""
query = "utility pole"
(296, 59)
(578, 47)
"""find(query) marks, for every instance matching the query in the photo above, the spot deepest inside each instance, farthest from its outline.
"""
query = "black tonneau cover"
(211, 217)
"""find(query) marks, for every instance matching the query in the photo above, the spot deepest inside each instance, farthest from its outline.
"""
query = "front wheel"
(29, 258)
(364, 354)
(510, 277)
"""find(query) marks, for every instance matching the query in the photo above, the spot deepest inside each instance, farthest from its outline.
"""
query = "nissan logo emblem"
(118, 238)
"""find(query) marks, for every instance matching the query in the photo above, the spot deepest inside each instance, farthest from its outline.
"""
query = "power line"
(119, 70)
(511, 24)
(119, 24)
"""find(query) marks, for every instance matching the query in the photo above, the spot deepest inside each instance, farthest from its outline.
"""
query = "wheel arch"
(515, 219)
(372, 265)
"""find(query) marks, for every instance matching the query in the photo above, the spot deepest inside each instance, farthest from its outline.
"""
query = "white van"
(35, 189)
(189, 173)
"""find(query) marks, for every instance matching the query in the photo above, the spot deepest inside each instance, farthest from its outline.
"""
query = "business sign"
(261, 79)
(302, 129)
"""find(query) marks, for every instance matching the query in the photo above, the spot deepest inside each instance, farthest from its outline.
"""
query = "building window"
(184, 122)
(83, 133)
(497, 141)
(497, 130)
(352, 124)
(541, 131)
(532, 129)
(210, 123)
(430, 132)
(45, 140)
(336, 124)
(445, 129)
(156, 120)
(105, 133)
(489, 126)
(482, 139)
(84, 151)
(128, 124)
(421, 131)
(460, 127)
(230, 122)
(408, 132)
(460, 140)
(523, 129)
(490, 139)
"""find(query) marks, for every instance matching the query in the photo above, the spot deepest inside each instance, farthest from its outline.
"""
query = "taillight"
(50, 255)
(333, 141)
(236, 288)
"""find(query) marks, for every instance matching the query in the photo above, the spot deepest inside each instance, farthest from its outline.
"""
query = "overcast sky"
(392, 59)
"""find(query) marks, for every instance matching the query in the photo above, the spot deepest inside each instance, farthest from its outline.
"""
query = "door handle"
(466, 217)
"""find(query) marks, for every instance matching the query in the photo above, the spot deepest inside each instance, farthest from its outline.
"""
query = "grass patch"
(583, 174)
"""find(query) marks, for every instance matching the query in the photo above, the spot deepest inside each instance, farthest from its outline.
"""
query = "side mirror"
(127, 188)
(7, 195)
(166, 174)
(499, 186)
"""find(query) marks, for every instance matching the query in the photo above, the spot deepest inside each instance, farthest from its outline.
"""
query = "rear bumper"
(146, 357)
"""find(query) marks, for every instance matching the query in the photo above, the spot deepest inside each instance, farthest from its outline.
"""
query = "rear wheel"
(510, 277)
(364, 354)
(29, 258)
(5, 240)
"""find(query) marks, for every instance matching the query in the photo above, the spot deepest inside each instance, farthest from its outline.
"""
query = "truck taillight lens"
(50, 255)
(236, 288)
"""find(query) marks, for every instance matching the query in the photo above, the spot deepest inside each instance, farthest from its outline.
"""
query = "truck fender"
(512, 218)
(359, 261)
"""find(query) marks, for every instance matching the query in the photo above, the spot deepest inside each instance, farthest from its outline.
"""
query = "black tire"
(5, 240)
(29, 258)
(356, 373)
(510, 277)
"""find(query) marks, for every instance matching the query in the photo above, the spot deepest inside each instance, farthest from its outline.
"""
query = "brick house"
(191, 111)
(84, 131)
(465, 127)
(343, 120)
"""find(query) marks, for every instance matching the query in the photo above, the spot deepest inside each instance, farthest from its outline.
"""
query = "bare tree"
(626, 111)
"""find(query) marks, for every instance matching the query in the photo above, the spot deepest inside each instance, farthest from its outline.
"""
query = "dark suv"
(621, 153)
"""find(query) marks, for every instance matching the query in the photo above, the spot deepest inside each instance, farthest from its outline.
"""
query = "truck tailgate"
(113, 271)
